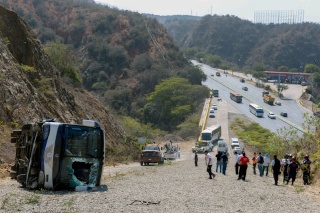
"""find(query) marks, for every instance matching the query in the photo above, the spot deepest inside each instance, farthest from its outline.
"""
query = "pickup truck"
(172, 152)
(151, 154)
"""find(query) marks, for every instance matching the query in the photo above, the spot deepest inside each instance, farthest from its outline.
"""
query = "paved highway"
(228, 83)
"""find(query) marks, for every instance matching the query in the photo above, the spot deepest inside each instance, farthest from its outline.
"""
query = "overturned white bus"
(56, 156)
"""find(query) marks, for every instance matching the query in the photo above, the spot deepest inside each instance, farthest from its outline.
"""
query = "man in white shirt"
(266, 163)
(208, 159)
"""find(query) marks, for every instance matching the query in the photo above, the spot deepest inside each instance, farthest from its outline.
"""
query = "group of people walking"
(289, 166)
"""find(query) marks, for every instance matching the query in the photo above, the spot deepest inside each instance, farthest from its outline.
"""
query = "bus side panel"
(57, 156)
(98, 183)
(49, 156)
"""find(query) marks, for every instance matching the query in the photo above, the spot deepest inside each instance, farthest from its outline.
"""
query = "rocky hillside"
(120, 55)
(31, 88)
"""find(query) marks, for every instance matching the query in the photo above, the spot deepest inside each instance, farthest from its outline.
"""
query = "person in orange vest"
(243, 162)
(254, 162)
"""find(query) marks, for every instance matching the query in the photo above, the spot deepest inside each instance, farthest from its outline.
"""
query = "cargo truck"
(268, 99)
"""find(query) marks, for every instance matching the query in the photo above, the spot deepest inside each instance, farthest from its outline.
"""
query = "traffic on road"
(288, 110)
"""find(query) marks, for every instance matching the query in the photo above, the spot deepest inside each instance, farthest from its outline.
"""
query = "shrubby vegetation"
(63, 59)
(172, 102)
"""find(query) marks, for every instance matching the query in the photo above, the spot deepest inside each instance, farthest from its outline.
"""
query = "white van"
(222, 146)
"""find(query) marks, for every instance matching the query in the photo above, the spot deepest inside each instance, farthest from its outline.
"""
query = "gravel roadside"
(179, 187)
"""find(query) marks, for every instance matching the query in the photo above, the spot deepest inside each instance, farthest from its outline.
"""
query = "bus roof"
(235, 93)
(210, 128)
(255, 106)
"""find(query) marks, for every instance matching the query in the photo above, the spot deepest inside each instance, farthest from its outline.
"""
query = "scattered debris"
(142, 202)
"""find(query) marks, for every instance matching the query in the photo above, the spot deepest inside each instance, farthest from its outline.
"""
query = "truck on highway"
(218, 74)
(55, 155)
(215, 93)
(268, 99)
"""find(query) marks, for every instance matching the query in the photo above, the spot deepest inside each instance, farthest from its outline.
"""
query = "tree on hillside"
(259, 66)
(294, 70)
(172, 102)
(194, 74)
(311, 68)
(283, 68)
(190, 52)
(259, 74)
(213, 60)
(200, 56)
(64, 60)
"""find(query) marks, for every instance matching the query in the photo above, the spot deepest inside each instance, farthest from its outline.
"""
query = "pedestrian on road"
(224, 159)
(254, 163)
(266, 163)
(243, 162)
(236, 164)
(276, 169)
(219, 163)
(305, 167)
(292, 170)
(209, 164)
(196, 158)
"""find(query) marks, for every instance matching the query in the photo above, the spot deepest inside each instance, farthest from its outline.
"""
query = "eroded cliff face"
(29, 85)
(31, 88)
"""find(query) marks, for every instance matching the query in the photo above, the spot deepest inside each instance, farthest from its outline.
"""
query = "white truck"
(203, 146)
(172, 151)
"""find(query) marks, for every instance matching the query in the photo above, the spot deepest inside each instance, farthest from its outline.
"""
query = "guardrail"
(204, 115)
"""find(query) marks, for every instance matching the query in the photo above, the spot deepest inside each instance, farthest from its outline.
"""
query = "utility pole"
(211, 10)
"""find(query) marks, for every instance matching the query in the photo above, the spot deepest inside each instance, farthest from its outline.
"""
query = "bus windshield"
(83, 141)
(206, 136)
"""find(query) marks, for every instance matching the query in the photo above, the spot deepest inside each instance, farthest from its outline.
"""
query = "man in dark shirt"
(292, 170)
(219, 163)
(305, 167)
(196, 158)
(224, 159)
(276, 169)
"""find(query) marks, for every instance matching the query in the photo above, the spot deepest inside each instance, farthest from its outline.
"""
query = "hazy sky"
(241, 8)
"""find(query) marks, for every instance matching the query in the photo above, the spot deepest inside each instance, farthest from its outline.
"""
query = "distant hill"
(179, 27)
(245, 43)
